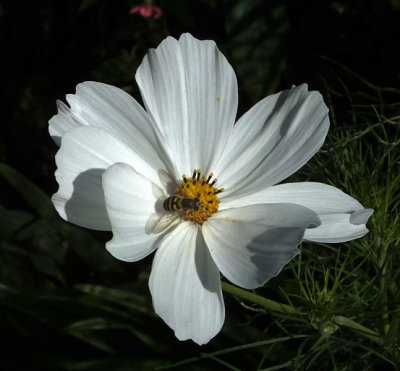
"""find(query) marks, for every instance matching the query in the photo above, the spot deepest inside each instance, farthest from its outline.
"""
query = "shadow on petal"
(273, 249)
(205, 264)
(266, 255)
(86, 206)
(285, 124)
(167, 182)
(361, 216)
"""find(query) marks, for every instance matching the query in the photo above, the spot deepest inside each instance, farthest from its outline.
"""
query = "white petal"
(158, 222)
(273, 140)
(131, 201)
(113, 110)
(186, 287)
(361, 216)
(342, 217)
(251, 244)
(320, 197)
(190, 90)
(84, 155)
(62, 122)
(336, 228)
(168, 183)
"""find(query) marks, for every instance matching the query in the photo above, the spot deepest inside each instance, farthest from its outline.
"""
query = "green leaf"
(93, 340)
(128, 299)
(11, 221)
(96, 323)
(87, 247)
(31, 193)
(44, 237)
(86, 4)
(47, 266)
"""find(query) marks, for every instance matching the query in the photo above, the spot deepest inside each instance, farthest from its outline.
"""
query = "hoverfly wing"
(157, 223)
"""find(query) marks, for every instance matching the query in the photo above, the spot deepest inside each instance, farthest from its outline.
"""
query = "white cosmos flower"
(118, 163)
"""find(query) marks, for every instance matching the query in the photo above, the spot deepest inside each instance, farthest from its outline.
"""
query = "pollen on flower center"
(196, 198)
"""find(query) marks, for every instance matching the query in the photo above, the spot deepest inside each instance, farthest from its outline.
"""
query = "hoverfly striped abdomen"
(175, 203)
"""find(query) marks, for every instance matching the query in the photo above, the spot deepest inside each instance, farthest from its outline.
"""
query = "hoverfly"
(175, 203)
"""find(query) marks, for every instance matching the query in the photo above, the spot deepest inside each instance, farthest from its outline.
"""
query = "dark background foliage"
(47, 48)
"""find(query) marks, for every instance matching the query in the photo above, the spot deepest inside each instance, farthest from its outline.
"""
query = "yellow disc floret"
(201, 188)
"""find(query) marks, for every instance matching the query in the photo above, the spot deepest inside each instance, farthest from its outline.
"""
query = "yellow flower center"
(202, 189)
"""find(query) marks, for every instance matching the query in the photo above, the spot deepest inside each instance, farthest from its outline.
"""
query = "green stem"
(364, 331)
(383, 285)
(395, 323)
(284, 308)
(266, 303)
